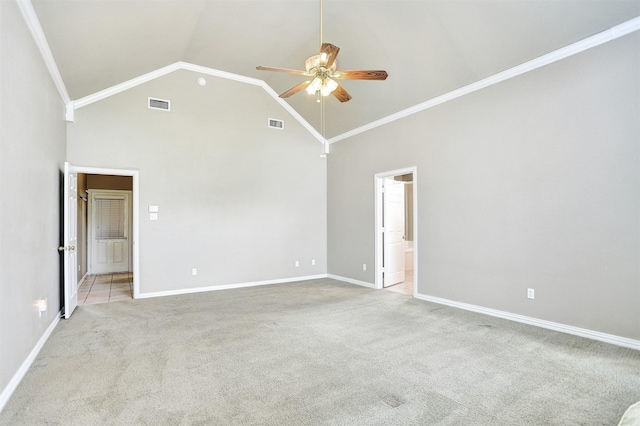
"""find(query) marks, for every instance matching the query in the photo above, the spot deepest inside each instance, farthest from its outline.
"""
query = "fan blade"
(331, 52)
(295, 89)
(361, 75)
(261, 68)
(341, 94)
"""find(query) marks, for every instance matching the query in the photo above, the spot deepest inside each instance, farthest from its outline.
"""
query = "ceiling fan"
(323, 73)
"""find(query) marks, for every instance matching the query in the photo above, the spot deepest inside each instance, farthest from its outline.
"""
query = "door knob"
(61, 248)
(69, 248)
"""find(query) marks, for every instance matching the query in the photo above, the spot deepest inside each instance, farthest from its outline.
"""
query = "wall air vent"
(161, 104)
(276, 124)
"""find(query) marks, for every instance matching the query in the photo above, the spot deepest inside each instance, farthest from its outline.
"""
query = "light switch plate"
(153, 216)
(153, 209)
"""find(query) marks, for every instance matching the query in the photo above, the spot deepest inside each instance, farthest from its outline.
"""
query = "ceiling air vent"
(161, 104)
(276, 124)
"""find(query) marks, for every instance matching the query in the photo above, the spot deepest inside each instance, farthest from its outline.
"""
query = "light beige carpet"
(316, 353)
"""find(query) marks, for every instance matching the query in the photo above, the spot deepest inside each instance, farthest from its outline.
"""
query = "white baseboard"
(227, 286)
(582, 332)
(82, 280)
(351, 280)
(17, 378)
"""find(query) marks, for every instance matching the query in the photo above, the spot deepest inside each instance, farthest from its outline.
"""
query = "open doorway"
(396, 226)
(107, 230)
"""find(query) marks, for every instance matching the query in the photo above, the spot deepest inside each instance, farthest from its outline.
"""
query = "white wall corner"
(351, 281)
(70, 112)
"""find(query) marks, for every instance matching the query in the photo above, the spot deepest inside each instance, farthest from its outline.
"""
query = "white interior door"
(109, 231)
(70, 198)
(393, 235)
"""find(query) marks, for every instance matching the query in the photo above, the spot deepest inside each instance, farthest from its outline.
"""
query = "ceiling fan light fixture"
(328, 87)
(314, 62)
(314, 86)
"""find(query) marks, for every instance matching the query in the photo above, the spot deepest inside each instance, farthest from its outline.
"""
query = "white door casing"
(393, 235)
(70, 211)
(378, 181)
(109, 225)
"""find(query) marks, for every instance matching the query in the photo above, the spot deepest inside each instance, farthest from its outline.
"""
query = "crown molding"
(118, 88)
(33, 23)
(612, 33)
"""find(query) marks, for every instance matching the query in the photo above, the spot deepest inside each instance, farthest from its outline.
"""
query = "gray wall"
(32, 150)
(529, 183)
(238, 201)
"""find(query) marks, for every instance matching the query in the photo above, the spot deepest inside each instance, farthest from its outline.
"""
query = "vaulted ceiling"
(428, 47)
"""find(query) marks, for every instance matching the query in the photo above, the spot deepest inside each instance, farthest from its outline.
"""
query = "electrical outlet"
(297, 263)
(364, 266)
(531, 293)
(194, 271)
(313, 262)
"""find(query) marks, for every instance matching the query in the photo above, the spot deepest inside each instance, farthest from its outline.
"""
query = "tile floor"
(106, 288)
(405, 287)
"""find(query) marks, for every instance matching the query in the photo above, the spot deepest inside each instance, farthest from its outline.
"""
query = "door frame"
(378, 214)
(135, 225)
(90, 225)
(70, 239)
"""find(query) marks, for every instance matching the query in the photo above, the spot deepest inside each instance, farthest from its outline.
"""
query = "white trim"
(582, 332)
(129, 84)
(217, 73)
(351, 281)
(557, 55)
(118, 88)
(17, 378)
(226, 286)
(69, 114)
(84, 277)
(378, 179)
(135, 231)
(41, 41)
(33, 23)
(293, 113)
